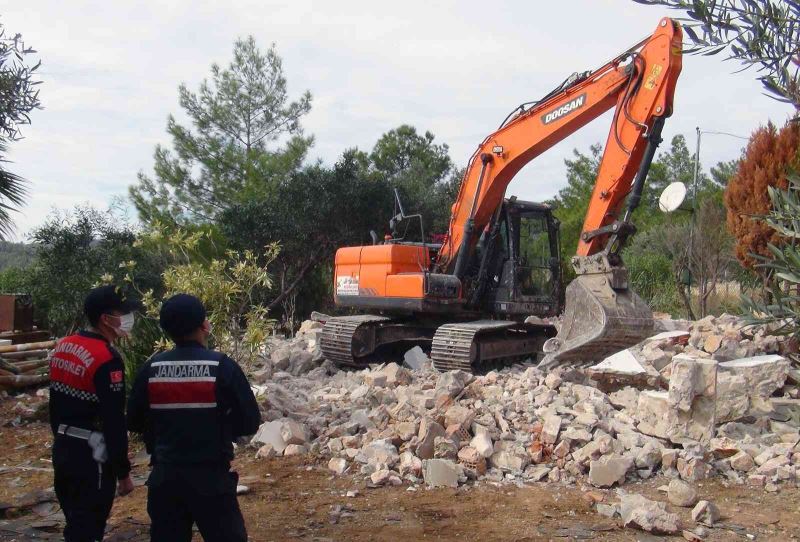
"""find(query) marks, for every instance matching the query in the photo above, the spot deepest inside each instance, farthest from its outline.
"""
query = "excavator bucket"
(598, 321)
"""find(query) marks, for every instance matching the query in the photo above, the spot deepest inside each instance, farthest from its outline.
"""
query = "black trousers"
(85, 495)
(178, 497)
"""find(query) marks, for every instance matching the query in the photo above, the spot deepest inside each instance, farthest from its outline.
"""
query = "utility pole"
(690, 252)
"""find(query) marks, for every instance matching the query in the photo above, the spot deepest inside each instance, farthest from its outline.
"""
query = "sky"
(111, 71)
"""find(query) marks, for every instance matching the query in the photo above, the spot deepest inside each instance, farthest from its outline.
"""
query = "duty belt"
(96, 442)
(72, 431)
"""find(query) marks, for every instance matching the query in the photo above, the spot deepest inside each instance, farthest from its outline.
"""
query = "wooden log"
(23, 381)
(32, 365)
(3, 372)
(26, 347)
(24, 355)
(8, 366)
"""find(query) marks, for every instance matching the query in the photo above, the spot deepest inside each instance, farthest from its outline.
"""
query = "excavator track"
(470, 345)
(337, 338)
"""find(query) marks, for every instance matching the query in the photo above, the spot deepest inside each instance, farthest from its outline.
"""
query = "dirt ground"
(298, 499)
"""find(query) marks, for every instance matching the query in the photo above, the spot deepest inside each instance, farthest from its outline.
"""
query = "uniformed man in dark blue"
(191, 403)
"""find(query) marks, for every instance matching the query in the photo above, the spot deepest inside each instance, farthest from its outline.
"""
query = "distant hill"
(16, 254)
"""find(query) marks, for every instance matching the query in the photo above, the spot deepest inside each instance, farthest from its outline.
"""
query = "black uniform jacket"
(87, 390)
(191, 403)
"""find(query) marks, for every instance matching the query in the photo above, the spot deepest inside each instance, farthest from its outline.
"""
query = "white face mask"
(126, 322)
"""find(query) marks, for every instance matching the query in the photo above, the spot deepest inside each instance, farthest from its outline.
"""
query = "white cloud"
(111, 71)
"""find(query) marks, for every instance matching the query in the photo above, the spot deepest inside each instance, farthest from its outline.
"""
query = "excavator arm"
(640, 85)
(601, 313)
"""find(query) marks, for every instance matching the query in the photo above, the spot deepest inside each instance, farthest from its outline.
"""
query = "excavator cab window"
(534, 274)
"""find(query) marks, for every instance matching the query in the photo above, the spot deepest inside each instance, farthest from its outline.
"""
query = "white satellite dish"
(672, 197)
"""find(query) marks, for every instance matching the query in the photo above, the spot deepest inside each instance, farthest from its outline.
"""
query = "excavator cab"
(527, 275)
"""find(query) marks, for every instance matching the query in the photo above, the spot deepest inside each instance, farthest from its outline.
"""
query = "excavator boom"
(601, 313)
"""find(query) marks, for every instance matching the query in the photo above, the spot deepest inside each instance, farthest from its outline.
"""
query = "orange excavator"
(479, 297)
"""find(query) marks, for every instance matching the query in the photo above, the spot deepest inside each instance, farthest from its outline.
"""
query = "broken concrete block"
(742, 462)
(270, 433)
(652, 414)
(482, 442)
(712, 343)
(375, 380)
(623, 363)
(295, 449)
(537, 472)
(385, 477)
(337, 465)
(428, 431)
(452, 382)
(440, 473)
(444, 448)
(510, 461)
(293, 432)
(747, 384)
(627, 397)
(706, 512)
(460, 416)
(267, 451)
(669, 458)
(410, 464)
(550, 429)
(406, 430)
(396, 375)
(380, 452)
(609, 470)
(681, 493)
(416, 360)
(651, 516)
(694, 469)
(561, 450)
(692, 396)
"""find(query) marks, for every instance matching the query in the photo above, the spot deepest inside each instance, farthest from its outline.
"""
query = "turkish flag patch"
(116, 377)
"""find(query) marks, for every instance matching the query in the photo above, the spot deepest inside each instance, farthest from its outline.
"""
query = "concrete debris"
(440, 473)
(706, 512)
(623, 362)
(337, 465)
(700, 412)
(651, 516)
(416, 360)
(609, 470)
(681, 493)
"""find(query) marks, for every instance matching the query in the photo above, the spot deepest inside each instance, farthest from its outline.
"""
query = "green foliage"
(422, 172)
(13, 280)
(76, 252)
(310, 215)
(759, 33)
(225, 158)
(572, 201)
(19, 96)
(229, 285)
(782, 308)
(16, 254)
(651, 275)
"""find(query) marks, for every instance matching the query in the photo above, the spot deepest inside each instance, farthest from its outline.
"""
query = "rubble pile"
(699, 399)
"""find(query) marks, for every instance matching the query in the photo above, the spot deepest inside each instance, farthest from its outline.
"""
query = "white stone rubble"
(707, 408)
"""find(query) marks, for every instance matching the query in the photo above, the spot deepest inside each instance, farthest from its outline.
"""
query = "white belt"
(96, 441)
(71, 431)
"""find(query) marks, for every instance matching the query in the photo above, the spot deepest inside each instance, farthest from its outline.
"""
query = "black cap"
(105, 300)
(181, 314)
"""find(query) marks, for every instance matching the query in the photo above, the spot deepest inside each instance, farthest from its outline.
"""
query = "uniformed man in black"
(191, 403)
(87, 416)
